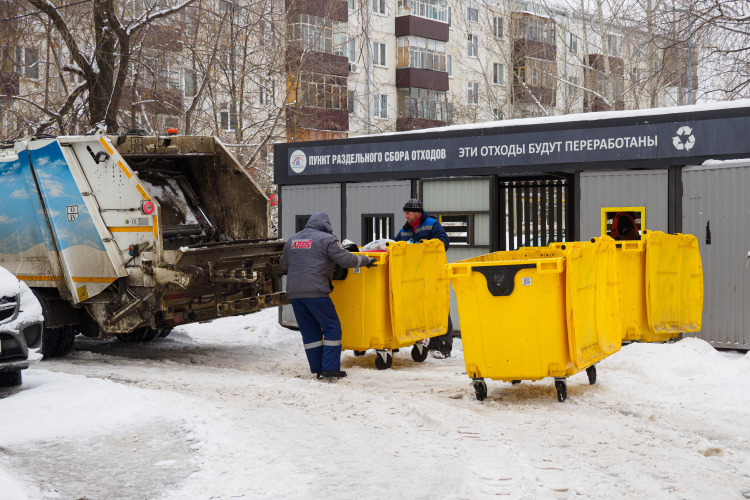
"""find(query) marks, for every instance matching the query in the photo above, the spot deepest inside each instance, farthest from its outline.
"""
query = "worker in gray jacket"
(309, 257)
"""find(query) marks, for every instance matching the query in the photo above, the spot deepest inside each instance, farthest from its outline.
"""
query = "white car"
(21, 326)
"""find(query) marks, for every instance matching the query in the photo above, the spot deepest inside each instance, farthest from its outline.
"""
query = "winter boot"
(332, 374)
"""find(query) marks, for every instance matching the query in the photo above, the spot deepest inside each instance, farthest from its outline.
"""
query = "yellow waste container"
(662, 286)
(538, 312)
(402, 302)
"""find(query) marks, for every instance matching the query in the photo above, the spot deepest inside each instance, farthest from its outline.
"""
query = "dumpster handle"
(459, 270)
(550, 265)
(631, 246)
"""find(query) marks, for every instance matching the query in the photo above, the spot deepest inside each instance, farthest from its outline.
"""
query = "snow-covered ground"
(228, 410)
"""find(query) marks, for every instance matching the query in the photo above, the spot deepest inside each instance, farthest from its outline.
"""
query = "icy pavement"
(228, 410)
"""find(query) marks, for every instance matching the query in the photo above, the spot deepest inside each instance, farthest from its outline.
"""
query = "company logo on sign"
(298, 161)
(301, 244)
(72, 211)
(684, 140)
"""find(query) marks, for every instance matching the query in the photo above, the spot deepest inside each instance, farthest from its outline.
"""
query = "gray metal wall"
(374, 198)
(627, 188)
(306, 200)
(459, 195)
(718, 195)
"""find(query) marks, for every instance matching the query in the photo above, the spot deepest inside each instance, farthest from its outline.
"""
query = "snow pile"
(229, 410)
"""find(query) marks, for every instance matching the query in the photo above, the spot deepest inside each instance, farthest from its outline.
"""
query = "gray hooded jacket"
(309, 257)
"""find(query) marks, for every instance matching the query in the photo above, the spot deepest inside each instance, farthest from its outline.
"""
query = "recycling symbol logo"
(684, 138)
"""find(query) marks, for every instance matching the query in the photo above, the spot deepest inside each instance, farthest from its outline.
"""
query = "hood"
(321, 222)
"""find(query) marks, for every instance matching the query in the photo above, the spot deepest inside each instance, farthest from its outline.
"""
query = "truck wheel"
(57, 342)
(10, 378)
(67, 339)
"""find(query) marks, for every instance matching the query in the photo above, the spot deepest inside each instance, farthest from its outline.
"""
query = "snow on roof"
(576, 117)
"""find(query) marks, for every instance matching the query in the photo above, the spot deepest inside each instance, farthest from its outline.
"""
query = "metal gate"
(534, 211)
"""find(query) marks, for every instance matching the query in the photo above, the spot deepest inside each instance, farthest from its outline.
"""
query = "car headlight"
(8, 307)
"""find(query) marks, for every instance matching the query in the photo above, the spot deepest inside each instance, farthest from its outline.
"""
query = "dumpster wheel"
(419, 352)
(480, 388)
(383, 360)
(359, 353)
(591, 372)
(562, 389)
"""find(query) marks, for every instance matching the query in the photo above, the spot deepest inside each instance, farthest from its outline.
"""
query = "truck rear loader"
(131, 235)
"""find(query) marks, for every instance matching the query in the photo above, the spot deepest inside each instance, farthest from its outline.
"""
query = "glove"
(371, 262)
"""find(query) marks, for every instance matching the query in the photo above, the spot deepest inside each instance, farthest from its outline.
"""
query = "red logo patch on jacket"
(301, 244)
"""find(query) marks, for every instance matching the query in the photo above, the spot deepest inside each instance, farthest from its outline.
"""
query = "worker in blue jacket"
(420, 226)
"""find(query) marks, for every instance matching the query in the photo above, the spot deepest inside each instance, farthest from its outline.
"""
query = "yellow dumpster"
(402, 302)
(538, 312)
(674, 284)
(662, 286)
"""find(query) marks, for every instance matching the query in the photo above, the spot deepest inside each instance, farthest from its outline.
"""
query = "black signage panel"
(493, 149)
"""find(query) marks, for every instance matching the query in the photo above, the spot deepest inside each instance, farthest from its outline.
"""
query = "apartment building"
(257, 73)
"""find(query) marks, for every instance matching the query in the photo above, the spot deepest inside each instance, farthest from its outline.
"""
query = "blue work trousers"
(321, 332)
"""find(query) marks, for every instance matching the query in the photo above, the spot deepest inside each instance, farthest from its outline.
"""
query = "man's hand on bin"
(371, 262)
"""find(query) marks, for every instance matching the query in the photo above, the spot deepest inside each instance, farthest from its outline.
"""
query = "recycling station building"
(529, 182)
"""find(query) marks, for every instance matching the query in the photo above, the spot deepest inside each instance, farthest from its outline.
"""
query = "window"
(498, 114)
(497, 26)
(318, 34)
(472, 15)
(436, 10)
(498, 74)
(473, 45)
(418, 52)
(25, 63)
(458, 227)
(378, 6)
(300, 221)
(472, 95)
(378, 54)
(380, 106)
(31, 63)
(351, 98)
(613, 45)
(538, 29)
(267, 91)
(637, 75)
(450, 17)
(413, 102)
(350, 4)
(352, 50)
(449, 64)
(376, 226)
(228, 120)
(573, 44)
(320, 90)
(535, 73)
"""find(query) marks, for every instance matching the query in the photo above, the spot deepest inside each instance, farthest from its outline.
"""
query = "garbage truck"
(129, 235)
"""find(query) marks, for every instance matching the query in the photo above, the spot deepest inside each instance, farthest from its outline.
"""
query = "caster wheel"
(359, 353)
(591, 372)
(562, 389)
(418, 356)
(383, 365)
(514, 382)
(480, 389)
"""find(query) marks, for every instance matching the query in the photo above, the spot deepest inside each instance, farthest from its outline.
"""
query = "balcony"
(421, 78)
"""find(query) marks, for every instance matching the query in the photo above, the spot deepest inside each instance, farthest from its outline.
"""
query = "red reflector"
(147, 207)
(171, 131)
(273, 199)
